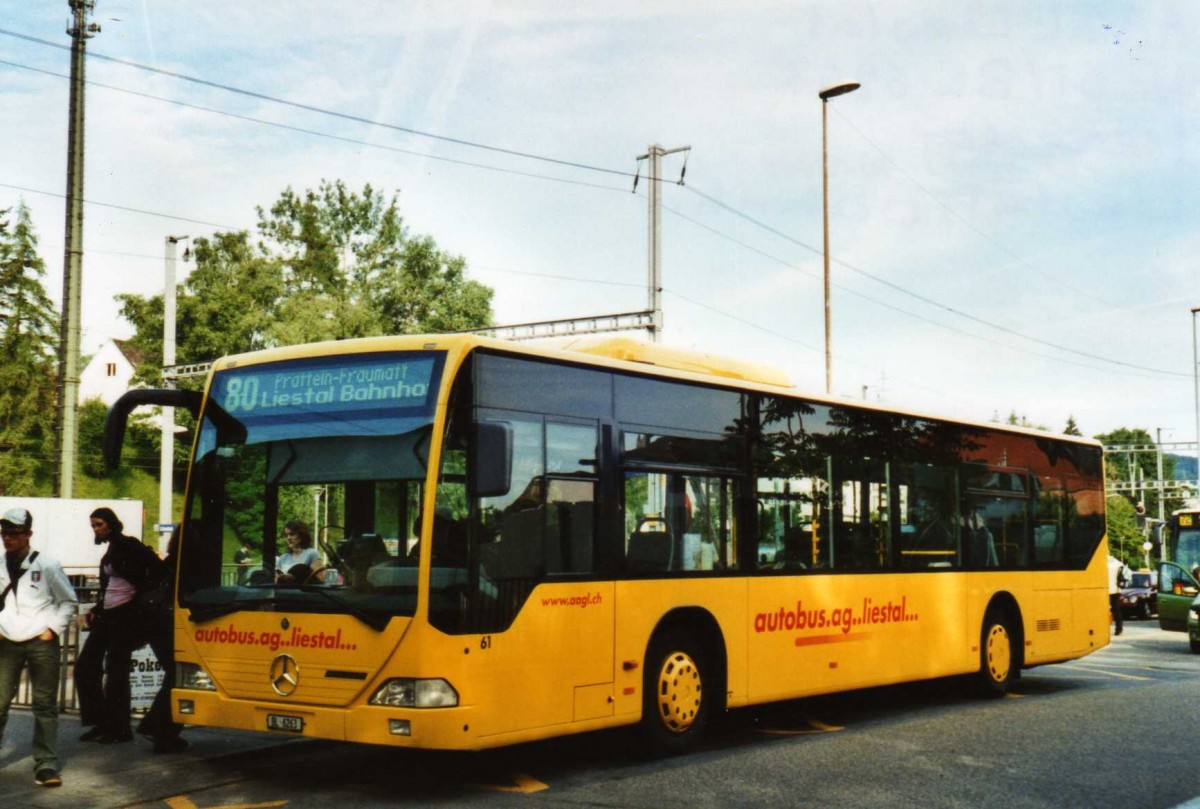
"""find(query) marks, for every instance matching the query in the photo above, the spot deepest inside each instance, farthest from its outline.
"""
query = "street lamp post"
(825, 95)
(167, 450)
(1196, 381)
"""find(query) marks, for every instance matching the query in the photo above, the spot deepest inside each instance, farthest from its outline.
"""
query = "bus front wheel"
(998, 655)
(674, 701)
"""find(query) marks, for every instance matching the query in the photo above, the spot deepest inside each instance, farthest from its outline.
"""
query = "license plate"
(291, 724)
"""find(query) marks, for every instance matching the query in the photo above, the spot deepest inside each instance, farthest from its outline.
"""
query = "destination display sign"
(345, 383)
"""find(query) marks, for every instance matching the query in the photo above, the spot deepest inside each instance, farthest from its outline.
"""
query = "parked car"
(1139, 598)
(1179, 602)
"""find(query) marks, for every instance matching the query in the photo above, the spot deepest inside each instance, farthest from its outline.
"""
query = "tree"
(1072, 428)
(28, 347)
(1023, 421)
(1125, 538)
(1136, 466)
(329, 264)
(142, 442)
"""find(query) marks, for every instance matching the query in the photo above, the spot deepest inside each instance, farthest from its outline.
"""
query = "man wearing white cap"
(37, 603)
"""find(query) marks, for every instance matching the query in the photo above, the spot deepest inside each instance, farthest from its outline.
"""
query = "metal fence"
(72, 642)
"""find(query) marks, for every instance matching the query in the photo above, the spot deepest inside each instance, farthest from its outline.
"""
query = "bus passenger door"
(551, 619)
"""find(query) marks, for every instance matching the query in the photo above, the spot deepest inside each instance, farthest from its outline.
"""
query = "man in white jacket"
(36, 607)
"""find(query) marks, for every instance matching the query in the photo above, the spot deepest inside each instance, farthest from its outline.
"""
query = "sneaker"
(47, 777)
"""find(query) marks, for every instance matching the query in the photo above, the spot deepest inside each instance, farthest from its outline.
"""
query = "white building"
(109, 372)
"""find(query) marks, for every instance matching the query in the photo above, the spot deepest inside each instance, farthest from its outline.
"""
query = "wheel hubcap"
(999, 653)
(678, 692)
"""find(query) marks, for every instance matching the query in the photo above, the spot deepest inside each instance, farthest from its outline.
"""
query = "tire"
(999, 655)
(1194, 645)
(1144, 611)
(676, 693)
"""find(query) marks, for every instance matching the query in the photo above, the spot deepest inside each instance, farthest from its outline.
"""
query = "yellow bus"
(524, 541)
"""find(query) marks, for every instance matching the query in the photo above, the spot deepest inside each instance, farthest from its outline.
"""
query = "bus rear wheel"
(998, 655)
(675, 705)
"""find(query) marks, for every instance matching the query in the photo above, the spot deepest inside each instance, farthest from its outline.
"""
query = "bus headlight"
(405, 692)
(189, 675)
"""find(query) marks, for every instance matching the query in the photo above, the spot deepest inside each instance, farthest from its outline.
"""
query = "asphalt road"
(1116, 729)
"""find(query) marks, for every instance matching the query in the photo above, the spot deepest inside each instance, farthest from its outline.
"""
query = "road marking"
(522, 783)
(814, 726)
(184, 802)
(1116, 674)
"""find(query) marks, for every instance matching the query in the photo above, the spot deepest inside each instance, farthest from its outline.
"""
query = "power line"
(531, 156)
(986, 237)
(123, 208)
(802, 344)
(312, 108)
(893, 307)
(923, 298)
(317, 133)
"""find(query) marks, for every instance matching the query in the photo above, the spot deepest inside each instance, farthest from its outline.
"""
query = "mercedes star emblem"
(285, 675)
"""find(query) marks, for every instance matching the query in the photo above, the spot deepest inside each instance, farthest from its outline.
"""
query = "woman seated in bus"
(300, 551)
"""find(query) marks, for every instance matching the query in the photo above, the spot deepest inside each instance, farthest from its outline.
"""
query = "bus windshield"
(1187, 545)
(305, 486)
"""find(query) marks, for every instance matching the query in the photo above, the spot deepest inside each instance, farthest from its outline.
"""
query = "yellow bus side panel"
(641, 605)
(553, 666)
(817, 634)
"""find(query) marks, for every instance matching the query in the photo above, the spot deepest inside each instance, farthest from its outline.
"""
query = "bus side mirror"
(118, 415)
(490, 459)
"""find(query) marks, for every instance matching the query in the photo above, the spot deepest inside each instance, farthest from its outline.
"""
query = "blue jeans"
(42, 658)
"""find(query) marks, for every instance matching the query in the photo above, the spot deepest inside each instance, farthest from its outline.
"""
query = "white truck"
(61, 529)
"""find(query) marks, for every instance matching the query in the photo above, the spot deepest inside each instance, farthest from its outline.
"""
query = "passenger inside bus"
(444, 551)
(979, 548)
(796, 549)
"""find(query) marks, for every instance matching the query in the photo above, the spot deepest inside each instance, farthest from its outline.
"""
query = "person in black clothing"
(117, 626)
(160, 626)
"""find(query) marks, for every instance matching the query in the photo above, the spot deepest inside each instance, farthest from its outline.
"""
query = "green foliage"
(141, 449)
(1126, 531)
(1139, 466)
(1072, 428)
(1125, 538)
(330, 264)
(28, 346)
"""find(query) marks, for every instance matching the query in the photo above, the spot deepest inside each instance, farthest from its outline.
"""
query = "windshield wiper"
(208, 612)
(375, 620)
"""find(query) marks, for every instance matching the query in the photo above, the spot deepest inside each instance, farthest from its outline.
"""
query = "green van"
(1179, 602)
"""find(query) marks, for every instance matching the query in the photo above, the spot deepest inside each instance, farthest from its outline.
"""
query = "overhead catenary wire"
(926, 299)
(525, 155)
(893, 307)
(313, 132)
(313, 108)
(966, 222)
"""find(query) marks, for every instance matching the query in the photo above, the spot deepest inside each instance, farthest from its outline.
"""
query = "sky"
(1013, 191)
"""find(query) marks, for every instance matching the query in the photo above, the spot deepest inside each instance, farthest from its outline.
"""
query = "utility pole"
(166, 461)
(654, 156)
(1159, 482)
(68, 350)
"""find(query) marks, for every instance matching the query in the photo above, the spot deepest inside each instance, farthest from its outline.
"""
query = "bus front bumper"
(427, 728)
